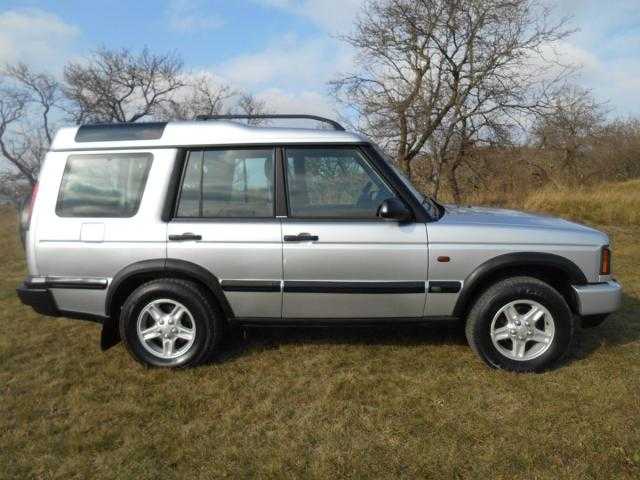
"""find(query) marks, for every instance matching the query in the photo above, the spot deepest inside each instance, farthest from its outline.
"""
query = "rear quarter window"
(103, 185)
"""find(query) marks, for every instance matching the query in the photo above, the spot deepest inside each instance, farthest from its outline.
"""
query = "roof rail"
(333, 123)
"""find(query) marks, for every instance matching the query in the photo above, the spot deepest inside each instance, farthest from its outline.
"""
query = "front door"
(225, 222)
(340, 259)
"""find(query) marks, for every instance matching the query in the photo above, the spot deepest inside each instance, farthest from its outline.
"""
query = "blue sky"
(286, 50)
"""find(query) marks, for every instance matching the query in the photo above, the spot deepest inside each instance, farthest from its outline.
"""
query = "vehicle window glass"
(189, 205)
(104, 185)
(333, 183)
(228, 183)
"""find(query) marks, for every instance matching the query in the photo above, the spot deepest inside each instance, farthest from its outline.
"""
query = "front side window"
(103, 185)
(333, 183)
(228, 183)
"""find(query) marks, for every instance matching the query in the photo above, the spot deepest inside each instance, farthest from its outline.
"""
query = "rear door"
(340, 259)
(225, 222)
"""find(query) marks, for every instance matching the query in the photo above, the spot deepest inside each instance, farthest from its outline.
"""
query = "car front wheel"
(520, 324)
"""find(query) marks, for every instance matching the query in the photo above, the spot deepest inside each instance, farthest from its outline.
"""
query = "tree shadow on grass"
(620, 328)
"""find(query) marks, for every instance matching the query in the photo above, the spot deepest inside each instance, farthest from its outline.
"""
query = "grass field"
(317, 403)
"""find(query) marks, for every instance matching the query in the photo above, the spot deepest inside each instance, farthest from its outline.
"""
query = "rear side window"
(104, 185)
(229, 183)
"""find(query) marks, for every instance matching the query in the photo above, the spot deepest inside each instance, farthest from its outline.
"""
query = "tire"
(592, 321)
(188, 338)
(502, 310)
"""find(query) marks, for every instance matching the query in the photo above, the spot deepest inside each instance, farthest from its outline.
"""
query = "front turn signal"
(605, 261)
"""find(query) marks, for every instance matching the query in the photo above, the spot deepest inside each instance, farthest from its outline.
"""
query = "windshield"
(434, 209)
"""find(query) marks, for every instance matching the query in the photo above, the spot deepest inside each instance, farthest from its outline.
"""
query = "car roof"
(192, 133)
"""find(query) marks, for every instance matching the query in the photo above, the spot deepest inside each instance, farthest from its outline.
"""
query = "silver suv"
(167, 232)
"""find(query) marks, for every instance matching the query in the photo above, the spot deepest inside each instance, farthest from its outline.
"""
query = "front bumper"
(38, 298)
(598, 298)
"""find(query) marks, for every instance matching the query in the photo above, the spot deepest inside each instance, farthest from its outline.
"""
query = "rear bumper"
(36, 293)
(40, 299)
(598, 298)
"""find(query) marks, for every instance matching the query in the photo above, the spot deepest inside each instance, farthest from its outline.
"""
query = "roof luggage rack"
(333, 123)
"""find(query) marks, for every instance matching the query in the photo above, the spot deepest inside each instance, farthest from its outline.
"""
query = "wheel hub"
(166, 328)
(522, 330)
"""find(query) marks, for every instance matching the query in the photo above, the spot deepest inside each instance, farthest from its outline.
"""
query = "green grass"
(315, 403)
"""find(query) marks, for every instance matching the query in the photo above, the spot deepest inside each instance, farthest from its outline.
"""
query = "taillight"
(605, 261)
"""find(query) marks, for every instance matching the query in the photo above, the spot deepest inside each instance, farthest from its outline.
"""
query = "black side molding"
(445, 287)
(250, 286)
(354, 287)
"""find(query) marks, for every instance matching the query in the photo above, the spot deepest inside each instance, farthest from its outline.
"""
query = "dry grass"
(375, 403)
(610, 204)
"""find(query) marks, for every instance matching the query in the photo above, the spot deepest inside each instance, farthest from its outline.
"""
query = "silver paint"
(598, 298)
(374, 251)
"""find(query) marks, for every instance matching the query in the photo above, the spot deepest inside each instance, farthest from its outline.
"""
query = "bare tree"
(119, 86)
(205, 96)
(453, 143)
(570, 126)
(110, 86)
(248, 104)
(429, 65)
(615, 153)
(27, 103)
(201, 95)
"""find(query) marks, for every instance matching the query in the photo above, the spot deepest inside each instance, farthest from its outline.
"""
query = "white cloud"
(289, 63)
(308, 102)
(36, 37)
(277, 100)
(606, 45)
(575, 55)
(290, 75)
(186, 16)
(332, 15)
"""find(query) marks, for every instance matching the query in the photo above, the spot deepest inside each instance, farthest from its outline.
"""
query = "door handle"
(301, 237)
(185, 237)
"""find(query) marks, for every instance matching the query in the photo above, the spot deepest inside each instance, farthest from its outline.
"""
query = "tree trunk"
(452, 180)
(435, 178)
(405, 165)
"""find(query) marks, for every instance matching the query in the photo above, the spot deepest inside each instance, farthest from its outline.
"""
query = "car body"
(280, 226)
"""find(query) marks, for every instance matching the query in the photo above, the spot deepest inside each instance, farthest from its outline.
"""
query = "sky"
(285, 51)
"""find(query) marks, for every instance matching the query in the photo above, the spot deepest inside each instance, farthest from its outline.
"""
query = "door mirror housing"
(394, 209)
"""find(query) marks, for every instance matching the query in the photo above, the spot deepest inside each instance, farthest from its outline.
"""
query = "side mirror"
(394, 209)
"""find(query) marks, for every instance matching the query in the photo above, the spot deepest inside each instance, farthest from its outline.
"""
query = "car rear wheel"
(520, 324)
(170, 323)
